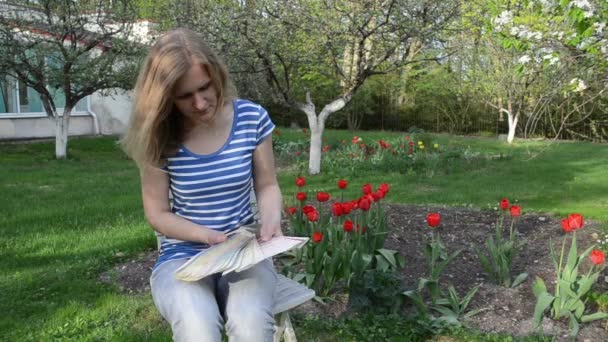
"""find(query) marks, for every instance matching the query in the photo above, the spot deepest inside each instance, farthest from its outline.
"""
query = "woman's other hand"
(269, 230)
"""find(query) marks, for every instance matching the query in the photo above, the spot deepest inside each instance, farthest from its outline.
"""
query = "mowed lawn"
(64, 222)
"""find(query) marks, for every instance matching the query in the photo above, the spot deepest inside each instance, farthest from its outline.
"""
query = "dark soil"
(505, 310)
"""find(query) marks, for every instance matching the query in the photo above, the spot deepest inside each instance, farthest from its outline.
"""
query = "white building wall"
(42, 127)
(112, 111)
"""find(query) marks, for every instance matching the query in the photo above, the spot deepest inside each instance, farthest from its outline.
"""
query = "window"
(24, 103)
(7, 95)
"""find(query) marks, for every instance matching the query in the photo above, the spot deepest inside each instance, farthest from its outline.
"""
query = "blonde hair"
(156, 127)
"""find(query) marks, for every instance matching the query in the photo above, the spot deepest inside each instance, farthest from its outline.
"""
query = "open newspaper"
(239, 252)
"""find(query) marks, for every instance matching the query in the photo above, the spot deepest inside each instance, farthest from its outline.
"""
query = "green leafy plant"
(568, 300)
(499, 253)
(379, 291)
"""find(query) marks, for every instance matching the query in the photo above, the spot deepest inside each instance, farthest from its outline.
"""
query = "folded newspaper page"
(239, 252)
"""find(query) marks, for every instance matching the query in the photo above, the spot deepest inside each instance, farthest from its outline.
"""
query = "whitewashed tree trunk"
(512, 126)
(317, 126)
(62, 124)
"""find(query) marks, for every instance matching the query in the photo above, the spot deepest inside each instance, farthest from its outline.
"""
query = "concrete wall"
(112, 112)
(41, 127)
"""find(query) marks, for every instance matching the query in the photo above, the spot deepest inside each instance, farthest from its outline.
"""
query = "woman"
(192, 138)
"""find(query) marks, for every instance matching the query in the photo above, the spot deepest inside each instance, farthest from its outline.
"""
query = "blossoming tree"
(535, 48)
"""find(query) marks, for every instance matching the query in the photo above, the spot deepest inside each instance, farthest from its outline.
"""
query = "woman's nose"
(199, 102)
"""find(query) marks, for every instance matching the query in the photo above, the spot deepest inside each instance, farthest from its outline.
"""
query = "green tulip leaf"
(573, 325)
(445, 312)
(593, 317)
(586, 283)
(381, 263)
(467, 299)
(539, 287)
(578, 307)
(566, 291)
(389, 255)
(543, 302)
(519, 279)
(472, 313)
(572, 261)
(299, 276)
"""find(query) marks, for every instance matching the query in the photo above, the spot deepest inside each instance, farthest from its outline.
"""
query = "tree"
(541, 54)
(297, 45)
(70, 49)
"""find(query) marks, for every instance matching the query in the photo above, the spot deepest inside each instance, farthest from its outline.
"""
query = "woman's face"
(195, 96)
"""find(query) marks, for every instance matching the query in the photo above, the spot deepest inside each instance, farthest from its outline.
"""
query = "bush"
(378, 291)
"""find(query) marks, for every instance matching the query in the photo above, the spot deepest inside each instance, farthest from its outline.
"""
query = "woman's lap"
(198, 310)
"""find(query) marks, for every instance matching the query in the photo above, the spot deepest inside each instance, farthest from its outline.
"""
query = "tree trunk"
(317, 126)
(512, 126)
(316, 138)
(62, 124)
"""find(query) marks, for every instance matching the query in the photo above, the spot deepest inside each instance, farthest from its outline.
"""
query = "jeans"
(197, 311)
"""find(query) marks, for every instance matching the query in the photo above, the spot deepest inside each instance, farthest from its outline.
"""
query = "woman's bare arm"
(155, 194)
(267, 191)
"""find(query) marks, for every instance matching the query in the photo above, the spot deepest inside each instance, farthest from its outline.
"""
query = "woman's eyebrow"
(186, 94)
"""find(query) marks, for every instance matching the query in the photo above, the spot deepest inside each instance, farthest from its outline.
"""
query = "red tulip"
(384, 144)
(356, 139)
(348, 226)
(370, 198)
(504, 204)
(515, 210)
(301, 196)
(300, 181)
(377, 195)
(313, 216)
(597, 257)
(366, 188)
(336, 209)
(322, 196)
(433, 219)
(566, 226)
(342, 184)
(326, 148)
(291, 210)
(575, 221)
(346, 208)
(308, 208)
(364, 204)
(317, 237)
(384, 188)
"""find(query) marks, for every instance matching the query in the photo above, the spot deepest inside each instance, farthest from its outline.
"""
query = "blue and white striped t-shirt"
(214, 189)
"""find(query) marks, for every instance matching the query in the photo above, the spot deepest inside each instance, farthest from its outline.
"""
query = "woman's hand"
(269, 230)
(212, 237)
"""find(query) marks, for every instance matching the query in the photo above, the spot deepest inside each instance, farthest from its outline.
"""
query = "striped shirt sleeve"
(265, 126)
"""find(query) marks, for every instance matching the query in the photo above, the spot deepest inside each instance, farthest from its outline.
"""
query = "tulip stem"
(559, 271)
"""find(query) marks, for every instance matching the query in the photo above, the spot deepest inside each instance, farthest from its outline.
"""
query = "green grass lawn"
(63, 223)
